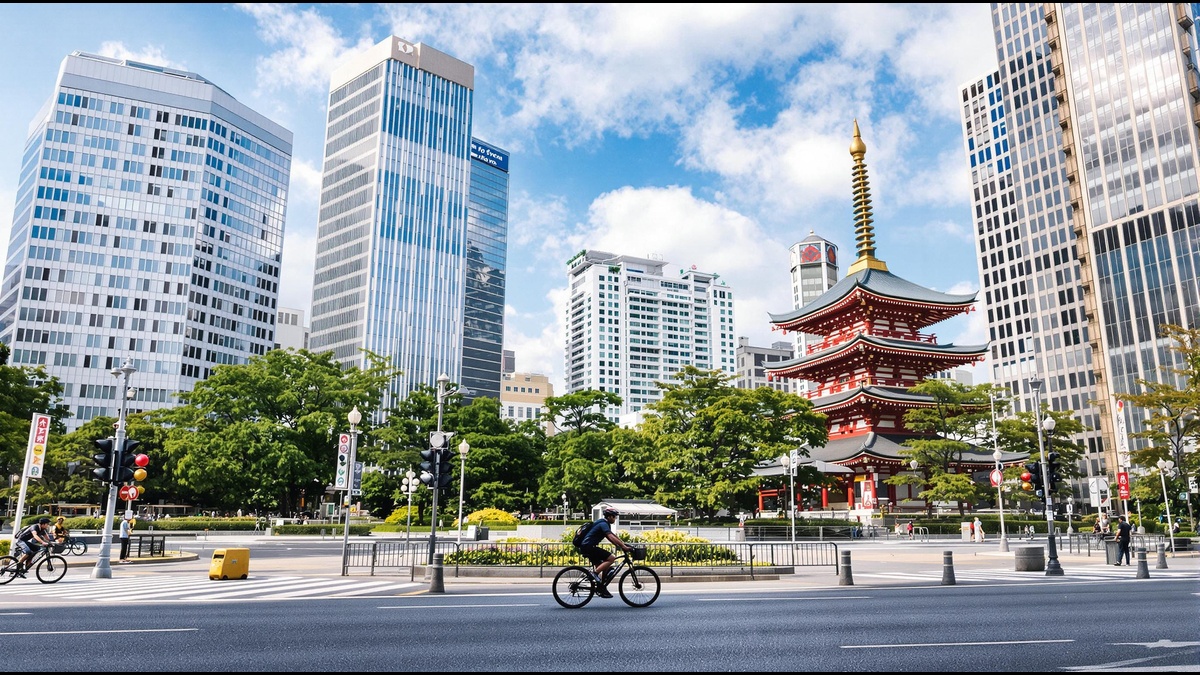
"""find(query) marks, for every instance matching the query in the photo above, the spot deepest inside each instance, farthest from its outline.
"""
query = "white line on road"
(527, 604)
(101, 632)
(831, 597)
(15, 613)
(955, 644)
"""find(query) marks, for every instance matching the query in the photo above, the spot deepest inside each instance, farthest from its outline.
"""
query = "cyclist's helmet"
(43, 521)
(611, 512)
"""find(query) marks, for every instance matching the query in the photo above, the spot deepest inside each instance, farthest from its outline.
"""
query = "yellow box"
(230, 563)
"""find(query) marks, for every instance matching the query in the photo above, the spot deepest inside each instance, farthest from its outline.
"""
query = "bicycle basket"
(638, 553)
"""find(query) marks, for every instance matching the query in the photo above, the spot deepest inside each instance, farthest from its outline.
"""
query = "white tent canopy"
(635, 509)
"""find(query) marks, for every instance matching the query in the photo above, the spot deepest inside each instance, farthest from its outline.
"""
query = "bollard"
(845, 578)
(1162, 557)
(436, 584)
(948, 568)
(1143, 572)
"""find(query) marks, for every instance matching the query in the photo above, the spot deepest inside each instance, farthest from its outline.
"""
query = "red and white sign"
(869, 491)
(997, 477)
(128, 493)
(1123, 485)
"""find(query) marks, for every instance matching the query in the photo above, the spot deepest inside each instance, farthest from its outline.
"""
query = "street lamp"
(1070, 510)
(354, 417)
(103, 570)
(463, 449)
(1165, 466)
(996, 455)
(565, 509)
(1053, 568)
(408, 486)
(789, 462)
(442, 381)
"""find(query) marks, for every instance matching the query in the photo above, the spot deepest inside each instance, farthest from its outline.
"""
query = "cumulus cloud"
(151, 54)
(309, 47)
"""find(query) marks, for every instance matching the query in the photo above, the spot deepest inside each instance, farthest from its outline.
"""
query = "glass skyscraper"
(392, 231)
(1097, 227)
(487, 254)
(148, 226)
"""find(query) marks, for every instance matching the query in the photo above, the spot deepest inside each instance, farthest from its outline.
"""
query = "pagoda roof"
(898, 395)
(878, 342)
(887, 448)
(877, 282)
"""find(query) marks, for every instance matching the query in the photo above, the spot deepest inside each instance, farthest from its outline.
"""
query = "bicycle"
(71, 545)
(50, 566)
(638, 585)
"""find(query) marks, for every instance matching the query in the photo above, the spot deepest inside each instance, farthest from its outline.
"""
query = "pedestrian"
(978, 526)
(910, 529)
(1124, 535)
(126, 527)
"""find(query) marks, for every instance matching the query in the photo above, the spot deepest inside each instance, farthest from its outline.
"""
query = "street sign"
(997, 477)
(341, 479)
(128, 493)
(1122, 485)
(1192, 485)
(356, 491)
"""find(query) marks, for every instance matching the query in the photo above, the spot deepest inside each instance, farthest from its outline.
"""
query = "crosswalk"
(998, 574)
(167, 588)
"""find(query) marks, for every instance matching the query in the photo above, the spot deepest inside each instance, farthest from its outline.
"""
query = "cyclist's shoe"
(20, 573)
(603, 592)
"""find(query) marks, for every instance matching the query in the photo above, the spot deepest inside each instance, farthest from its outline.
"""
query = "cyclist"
(61, 532)
(38, 533)
(601, 558)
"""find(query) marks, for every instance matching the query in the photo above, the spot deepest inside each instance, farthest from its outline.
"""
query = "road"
(296, 613)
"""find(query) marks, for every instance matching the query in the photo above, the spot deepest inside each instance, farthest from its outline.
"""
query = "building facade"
(1084, 154)
(148, 226)
(487, 263)
(630, 326)
(392, 240)
(291, 329)
(523, 397)
(814, 271)
(752, 362)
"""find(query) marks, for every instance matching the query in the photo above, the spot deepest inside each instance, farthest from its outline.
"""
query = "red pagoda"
(872, 353)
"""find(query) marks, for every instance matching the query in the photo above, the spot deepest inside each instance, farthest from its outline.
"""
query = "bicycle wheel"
(639, 586)
(8, 569)
(53, 568)
(573, 587)
(77, 547)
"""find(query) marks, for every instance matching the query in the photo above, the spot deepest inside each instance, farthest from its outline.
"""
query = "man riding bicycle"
(601, 558)
(38, 533)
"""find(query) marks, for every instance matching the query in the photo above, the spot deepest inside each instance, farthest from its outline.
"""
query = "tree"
(708, 437)
(263, 435)
(1171, 410)
(26, 390)
(581, 411)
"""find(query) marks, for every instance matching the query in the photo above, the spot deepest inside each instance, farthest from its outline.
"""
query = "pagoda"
(869, 351)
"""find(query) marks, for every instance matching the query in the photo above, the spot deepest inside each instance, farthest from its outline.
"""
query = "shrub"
(491, 517)
(400, 516)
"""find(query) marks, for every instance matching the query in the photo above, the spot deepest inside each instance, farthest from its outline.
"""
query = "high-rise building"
(392, 231)
(149, 227)
(1093, 234)
(752, 361)
(509, 363)
(814, 271)
(291, 331)
(487, 256)
(523, 397)
(629, 326)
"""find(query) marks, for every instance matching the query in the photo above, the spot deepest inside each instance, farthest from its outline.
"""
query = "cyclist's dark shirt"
(27, 534)
(597, 534)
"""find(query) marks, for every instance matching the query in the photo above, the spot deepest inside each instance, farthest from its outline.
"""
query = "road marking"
(101, 632)
(839, 597)
(521, 604)
(15, 613)
(956, 644)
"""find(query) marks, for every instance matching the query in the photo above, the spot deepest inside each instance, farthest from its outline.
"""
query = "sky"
(713, 135)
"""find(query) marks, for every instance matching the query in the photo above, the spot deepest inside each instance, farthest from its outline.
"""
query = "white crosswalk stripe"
(165, 588)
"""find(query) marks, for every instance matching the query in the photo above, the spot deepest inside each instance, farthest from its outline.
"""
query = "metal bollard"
(436, 584)
(1143, 572)
(948, 568)
(1162, 557)
(845, 578)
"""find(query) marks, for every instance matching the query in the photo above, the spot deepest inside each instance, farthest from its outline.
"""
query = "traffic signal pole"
(103, 570)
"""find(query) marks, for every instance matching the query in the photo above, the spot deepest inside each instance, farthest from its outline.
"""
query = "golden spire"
(864, 234)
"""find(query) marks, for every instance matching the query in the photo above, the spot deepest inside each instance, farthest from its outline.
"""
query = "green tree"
(263, 435)
(26, 390)
(708, 437)
(1018, 434)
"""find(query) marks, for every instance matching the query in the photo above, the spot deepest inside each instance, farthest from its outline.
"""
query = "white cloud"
(153, 55)
(300, 237)
(310, 47)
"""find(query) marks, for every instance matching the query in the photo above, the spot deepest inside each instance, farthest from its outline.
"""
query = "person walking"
(978, 528)
(1124, 535)
(126, 527)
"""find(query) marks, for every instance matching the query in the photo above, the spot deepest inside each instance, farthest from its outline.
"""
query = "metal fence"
(399, 557)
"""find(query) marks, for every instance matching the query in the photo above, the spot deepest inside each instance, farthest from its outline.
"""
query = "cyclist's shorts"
(24, 546)
(595, 554)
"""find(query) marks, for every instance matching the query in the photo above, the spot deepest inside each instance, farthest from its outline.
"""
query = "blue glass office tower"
(148, 226)
(487, 253)
(392, 227)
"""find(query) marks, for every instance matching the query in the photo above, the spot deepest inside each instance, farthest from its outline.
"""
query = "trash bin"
(229, 563)
(481, 533)
(1112, 552)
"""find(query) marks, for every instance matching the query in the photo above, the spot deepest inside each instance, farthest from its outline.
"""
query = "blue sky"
(711, 135)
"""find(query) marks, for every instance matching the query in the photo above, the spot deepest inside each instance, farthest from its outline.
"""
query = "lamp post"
(103, 570)
(565, 509)
(354, 417)
(408, 486)
(442, 381)
(997, 455)
(1070, 511)
(463, 449)
(789, 462)
(1053, 568)
(1165, 466)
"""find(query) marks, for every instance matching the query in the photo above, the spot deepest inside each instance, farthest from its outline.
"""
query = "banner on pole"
(1122, 437)
(35, 454)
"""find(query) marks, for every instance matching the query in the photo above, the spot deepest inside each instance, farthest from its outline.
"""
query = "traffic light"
(445, 468)
(141, 461)
(429, 467)
(1031, 479)
(126, 458)
(1055, 470)
(104, 460)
